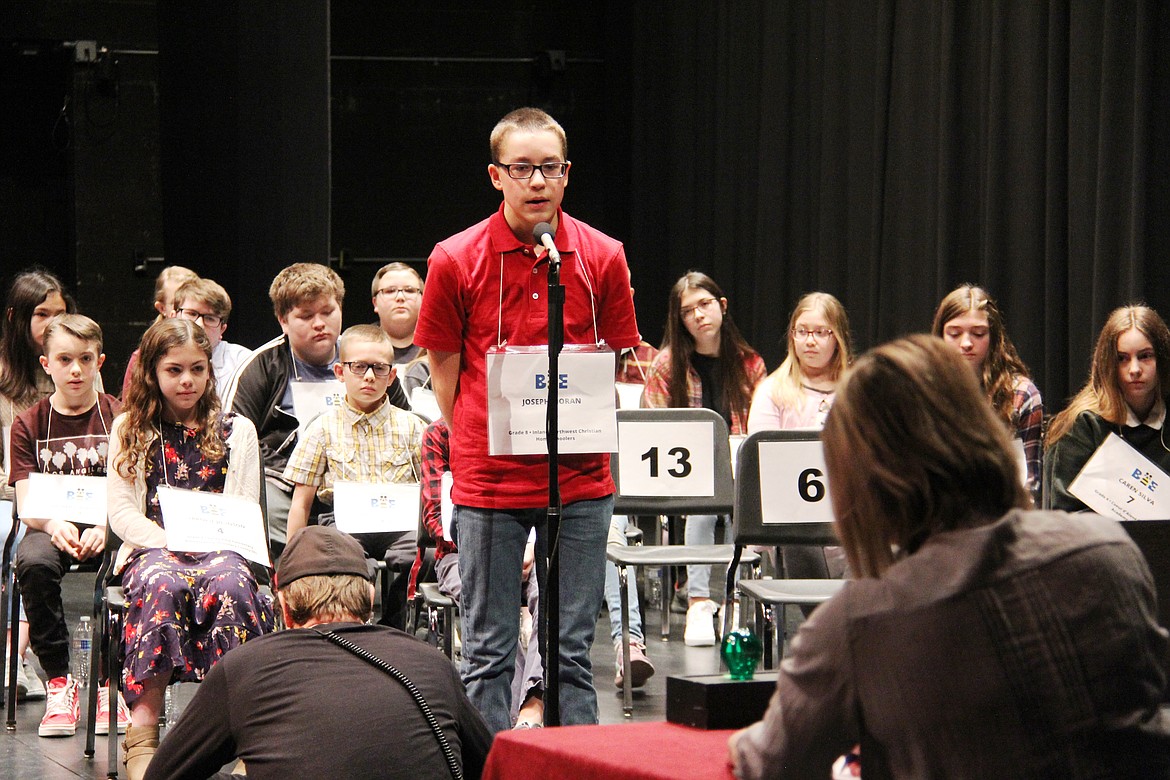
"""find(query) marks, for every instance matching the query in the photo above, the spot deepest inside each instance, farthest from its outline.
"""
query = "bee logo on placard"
(80, 495)
(212, 510)
(381, 502)
(562, 381)
(1145, 479)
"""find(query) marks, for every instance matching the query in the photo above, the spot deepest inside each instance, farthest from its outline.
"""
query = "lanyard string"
(588, 285)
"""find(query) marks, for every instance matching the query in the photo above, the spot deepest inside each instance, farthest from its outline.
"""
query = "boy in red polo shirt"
(486, 286)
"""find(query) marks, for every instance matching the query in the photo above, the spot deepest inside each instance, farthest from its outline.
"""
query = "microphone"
(543, 234)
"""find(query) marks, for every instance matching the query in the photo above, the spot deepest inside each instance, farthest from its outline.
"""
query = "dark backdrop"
(882, 151)
(887, 152)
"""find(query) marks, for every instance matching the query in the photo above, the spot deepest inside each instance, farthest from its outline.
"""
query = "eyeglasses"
(550, 170)
(359, 368)
(688, 313)
(393, 292)
(210, 320)
(820, 334)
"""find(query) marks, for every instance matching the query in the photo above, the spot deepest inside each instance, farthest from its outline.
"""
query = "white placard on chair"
(70, 497)
(198, 521)
(793, 487)
(375, 507)
(675, 459)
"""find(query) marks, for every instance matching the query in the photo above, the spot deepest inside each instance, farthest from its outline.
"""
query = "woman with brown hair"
(981, 638)
(1125, 394)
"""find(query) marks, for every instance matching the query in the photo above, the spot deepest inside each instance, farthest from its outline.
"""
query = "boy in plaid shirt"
(366, 439)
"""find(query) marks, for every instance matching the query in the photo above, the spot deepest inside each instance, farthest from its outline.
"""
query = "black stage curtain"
(888, 151)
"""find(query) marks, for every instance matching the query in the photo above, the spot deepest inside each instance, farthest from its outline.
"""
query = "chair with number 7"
(670, 462)
(781, 498)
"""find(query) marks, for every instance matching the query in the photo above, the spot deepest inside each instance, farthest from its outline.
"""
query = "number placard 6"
(793, 487)
(666, 460)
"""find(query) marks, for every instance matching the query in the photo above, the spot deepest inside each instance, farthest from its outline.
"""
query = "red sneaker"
(62, 709)
(102, 726)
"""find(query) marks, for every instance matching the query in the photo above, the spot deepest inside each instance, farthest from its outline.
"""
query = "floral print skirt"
(184, 611)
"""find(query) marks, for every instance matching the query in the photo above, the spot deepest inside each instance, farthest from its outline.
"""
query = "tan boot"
(140, 744)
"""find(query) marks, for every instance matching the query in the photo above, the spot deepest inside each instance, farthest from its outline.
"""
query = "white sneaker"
(28, 685)
(700, 631)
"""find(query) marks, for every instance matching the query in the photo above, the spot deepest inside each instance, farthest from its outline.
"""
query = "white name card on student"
(1021, 457)
(313, 399)
(517, 396)
(1118, 481)
(666, 459)
(629, 395)
(423, 401)
(375, 507)
(70, 497)
(447, 506)
(735, 441)
(793, 487)
(197, 521)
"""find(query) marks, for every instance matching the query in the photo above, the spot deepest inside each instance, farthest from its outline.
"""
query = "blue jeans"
(613, 591)
(699, 529)
(491, 553)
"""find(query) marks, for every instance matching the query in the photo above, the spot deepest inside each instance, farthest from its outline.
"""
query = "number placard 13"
(793, 486)
(666, 459)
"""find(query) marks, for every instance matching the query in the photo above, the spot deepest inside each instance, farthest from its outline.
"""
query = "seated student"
(169, 280)
(981, 639)
(968, 320)
(704, 363)
(798, 395)
(1126, 394)
(262, 703)
(397, 293)
(366, 440)
(184, 610)
(66, 433)
(528, 682)
(306, 298)
(34, 299)
(207, 303)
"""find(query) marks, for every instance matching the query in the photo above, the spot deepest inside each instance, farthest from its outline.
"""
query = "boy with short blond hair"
(207, 303)
(365, 440)
(66, 433)
(306, 299)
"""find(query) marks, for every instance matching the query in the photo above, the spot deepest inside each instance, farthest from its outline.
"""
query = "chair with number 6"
(781, 498)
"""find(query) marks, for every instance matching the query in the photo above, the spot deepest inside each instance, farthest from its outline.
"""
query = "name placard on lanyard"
(666, 459)
(447, 506)
(313, 399)
(197, 521)
(1118, 481)
(375, 507)
(70, 497)
(423, 401)
(793, 488)
(1021, 457)
(517, 394)
(629, 395)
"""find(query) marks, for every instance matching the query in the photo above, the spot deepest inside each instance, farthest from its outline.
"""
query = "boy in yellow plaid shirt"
(367, 440)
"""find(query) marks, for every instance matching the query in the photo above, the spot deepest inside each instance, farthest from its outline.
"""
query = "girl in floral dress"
(185, 610)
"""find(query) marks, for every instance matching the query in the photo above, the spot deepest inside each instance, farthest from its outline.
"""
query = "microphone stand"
(548, 549)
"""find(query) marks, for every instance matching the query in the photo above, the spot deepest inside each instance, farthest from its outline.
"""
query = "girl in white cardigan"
(185, 610)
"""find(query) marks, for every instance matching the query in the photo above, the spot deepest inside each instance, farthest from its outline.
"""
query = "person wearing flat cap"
(265, 704)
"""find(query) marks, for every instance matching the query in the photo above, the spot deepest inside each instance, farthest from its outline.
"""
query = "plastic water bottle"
(171, 707)
(654, 587)
(82, 647)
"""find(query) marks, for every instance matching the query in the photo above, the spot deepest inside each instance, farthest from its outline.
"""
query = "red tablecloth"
(626, 751)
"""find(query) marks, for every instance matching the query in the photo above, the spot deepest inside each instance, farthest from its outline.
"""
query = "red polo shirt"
(462, 312)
